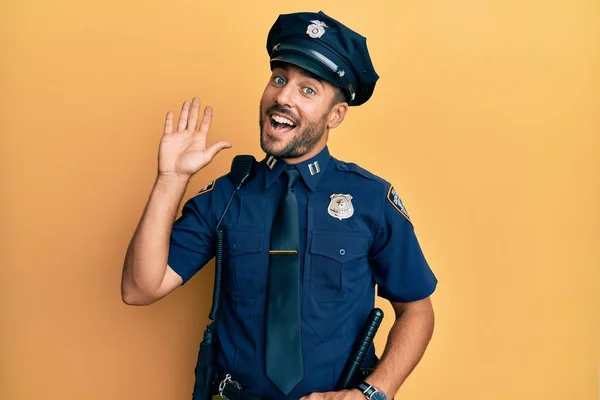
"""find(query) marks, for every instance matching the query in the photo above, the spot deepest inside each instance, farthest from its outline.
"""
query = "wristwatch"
(371, 392)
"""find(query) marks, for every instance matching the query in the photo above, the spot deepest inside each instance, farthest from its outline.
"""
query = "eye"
(279, 80)
(309, 91)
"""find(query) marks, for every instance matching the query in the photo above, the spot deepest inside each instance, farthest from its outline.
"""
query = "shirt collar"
(311, 170)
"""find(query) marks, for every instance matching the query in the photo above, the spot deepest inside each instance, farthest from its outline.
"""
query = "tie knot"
(292, 174)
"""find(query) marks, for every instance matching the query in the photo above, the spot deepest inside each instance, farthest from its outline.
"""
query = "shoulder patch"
(394, 198)
(206, 188)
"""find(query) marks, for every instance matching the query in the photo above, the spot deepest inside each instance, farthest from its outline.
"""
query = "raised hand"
(183, 152)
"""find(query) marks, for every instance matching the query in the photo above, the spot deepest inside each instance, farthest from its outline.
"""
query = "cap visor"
(309, 64)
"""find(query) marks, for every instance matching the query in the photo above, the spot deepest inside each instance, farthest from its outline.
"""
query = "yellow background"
(485, 118)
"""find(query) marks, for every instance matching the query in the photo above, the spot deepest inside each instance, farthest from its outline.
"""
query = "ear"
(337, 115)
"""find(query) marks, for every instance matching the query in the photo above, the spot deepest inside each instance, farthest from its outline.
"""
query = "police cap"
(327, 48)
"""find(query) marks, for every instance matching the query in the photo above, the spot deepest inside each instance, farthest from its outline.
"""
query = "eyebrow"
(309, 74)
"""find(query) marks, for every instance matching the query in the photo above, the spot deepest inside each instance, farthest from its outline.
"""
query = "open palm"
(184, 152)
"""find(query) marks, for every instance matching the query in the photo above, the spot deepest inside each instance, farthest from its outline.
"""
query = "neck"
(315, 150)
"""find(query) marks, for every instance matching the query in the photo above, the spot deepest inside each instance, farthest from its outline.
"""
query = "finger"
(169, 123)
(206, 120)
(215, 148)
(183, 117)
(193, 117)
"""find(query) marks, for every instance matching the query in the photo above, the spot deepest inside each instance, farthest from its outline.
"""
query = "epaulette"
(355, 168)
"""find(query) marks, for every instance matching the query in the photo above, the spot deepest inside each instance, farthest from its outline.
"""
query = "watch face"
(378, 396)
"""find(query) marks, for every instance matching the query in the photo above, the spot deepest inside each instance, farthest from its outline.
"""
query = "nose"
(285, 96)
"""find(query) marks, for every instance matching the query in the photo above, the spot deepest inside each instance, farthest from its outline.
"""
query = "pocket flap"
(241, 241)
(339, 246)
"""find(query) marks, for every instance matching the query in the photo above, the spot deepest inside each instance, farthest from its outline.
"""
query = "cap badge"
(340, 206)
(316, 29)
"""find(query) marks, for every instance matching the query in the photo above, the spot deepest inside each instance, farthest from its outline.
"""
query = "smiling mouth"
(280, 124)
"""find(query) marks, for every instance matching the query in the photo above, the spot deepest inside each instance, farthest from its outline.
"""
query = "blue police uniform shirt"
(341, 260)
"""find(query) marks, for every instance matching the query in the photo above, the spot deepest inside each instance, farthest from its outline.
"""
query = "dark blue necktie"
(283, 343)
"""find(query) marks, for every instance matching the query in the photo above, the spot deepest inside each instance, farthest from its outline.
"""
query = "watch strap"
(367, 389)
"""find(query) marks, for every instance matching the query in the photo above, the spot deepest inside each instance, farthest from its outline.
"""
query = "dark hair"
(339, 96)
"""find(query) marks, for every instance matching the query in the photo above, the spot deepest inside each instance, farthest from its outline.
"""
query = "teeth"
(282, 120)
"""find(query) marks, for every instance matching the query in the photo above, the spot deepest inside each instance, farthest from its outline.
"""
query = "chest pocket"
(339, 265)
(245, 270)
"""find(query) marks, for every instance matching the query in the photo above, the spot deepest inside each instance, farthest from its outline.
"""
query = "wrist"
(172, 178)
(171, 183)
(372, 392)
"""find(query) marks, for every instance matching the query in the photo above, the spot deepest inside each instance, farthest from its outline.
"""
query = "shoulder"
(380, 187)
(214, 186)
(361, 173)
(224, 185)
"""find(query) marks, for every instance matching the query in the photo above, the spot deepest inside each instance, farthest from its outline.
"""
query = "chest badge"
(340, 206)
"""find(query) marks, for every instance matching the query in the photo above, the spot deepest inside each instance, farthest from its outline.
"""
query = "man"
(306, 237)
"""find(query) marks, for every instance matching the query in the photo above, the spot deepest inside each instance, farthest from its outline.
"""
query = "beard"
(305, 138)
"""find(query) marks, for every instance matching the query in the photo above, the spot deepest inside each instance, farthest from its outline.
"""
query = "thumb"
(213, 149)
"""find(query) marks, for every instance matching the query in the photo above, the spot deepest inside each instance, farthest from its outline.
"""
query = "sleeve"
(193, 237)
(400, 269)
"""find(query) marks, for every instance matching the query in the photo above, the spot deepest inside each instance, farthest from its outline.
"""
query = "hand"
(352, 394)
(184, 152)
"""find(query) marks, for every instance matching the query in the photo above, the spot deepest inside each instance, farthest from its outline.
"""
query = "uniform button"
(342, 252)
(233, 246)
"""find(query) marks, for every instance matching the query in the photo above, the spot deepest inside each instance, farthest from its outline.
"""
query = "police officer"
(306, 238)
